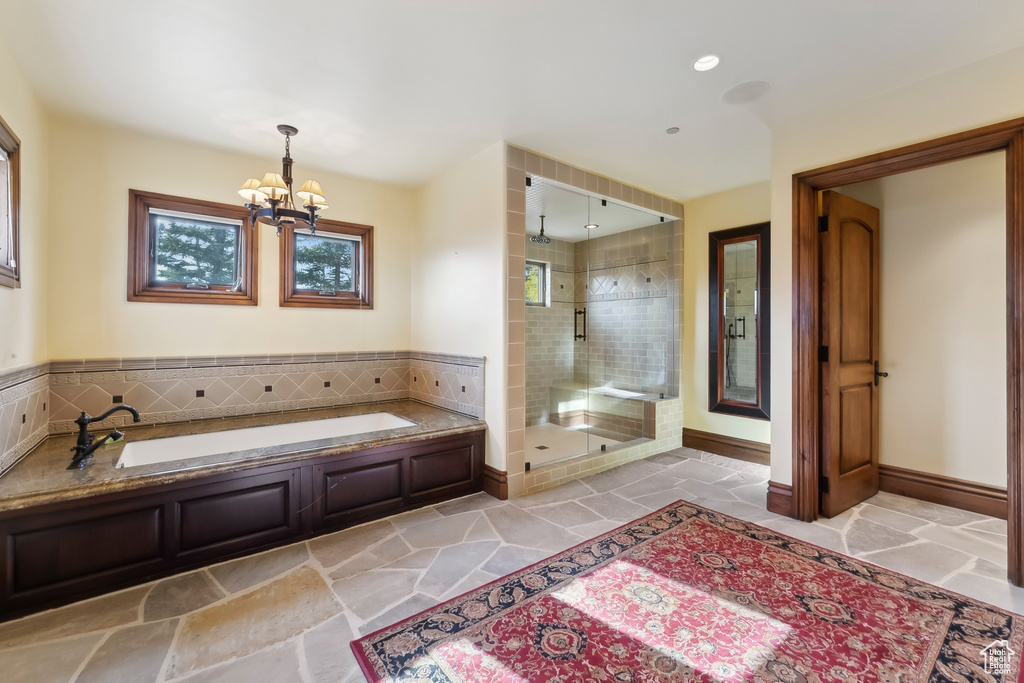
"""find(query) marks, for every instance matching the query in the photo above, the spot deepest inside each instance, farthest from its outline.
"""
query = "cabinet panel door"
(236, 515)
(440, 469)
(60, 550)
(349, 492)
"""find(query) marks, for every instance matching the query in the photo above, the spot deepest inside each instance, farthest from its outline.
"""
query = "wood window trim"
(140, 287)
(1007, 136)
(717, 403)
(11, 276)
(363, 297)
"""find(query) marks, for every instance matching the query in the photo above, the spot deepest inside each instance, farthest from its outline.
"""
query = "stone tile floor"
(289, 614)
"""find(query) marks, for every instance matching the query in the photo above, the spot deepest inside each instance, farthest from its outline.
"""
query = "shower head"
(541, 238)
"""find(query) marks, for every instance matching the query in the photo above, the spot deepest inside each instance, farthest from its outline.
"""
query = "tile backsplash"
(194, 388)
(24, 398)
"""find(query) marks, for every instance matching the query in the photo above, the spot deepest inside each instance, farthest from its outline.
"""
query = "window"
(10, 183)
(536, 283)
(190, 251)
(331, 269)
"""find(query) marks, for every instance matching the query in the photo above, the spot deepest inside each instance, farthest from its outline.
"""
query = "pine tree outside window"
(190, 251)
(194, 252)
(330, 269)
(324, 263)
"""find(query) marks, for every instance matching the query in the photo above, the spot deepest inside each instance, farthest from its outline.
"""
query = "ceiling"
(399, 90)
(566, 210)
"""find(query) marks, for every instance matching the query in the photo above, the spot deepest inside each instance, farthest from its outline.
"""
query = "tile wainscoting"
(24, 398)
(49, 396)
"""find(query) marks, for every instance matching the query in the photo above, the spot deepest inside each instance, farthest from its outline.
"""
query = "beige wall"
(943, 318)
(458, 276)
(965, 98)
(23, 311)
(743, 206)
(89, 315)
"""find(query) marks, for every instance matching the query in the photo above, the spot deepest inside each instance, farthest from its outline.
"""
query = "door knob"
(879, 374)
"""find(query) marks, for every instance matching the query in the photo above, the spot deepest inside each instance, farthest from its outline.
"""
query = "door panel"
(854, 442)
(850, 317)
(855, 282)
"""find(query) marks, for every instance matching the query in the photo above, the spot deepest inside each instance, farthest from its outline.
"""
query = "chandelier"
(270, 200)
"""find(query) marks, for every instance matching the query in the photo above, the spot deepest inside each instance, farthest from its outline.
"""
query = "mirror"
(739, 359)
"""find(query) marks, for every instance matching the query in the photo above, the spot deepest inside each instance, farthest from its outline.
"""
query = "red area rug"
(688, 594)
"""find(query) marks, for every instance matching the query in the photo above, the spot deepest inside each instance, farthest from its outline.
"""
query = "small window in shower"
(536, 284)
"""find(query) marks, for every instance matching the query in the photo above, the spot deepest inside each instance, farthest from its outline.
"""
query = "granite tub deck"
(41, 478)
(68, 534)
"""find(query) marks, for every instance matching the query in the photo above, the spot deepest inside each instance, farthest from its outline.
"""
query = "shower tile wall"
(549, 331)
(629, 309)
(740, 304)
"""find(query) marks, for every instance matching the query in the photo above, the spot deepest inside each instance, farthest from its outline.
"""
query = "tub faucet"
(83, 450)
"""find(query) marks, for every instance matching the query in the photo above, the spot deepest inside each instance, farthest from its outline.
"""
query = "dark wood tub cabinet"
(61, 552)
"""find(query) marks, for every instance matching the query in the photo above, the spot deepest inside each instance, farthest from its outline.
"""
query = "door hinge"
(823, 354)
(822, 223)
(822, 484)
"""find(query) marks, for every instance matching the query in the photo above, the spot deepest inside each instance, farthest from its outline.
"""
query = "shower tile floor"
(287, 615)
(548, 442)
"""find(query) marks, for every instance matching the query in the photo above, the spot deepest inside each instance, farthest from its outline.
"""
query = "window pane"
(534, 286)
(6, 235)
(325, 263)
(189, 250)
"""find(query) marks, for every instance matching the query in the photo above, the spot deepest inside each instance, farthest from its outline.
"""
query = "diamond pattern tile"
(166, 391)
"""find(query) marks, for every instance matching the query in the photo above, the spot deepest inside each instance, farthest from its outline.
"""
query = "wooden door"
(849, 348)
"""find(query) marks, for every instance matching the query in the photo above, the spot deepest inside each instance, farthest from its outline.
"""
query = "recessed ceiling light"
(706, 63)
(673, 130)
(591, 226)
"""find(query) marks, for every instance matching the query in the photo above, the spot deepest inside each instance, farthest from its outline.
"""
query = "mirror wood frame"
(760, 234)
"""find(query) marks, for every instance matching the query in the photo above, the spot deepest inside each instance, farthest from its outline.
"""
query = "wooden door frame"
(1007, 136)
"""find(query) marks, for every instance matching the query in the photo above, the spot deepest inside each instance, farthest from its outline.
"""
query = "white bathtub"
(154, 451)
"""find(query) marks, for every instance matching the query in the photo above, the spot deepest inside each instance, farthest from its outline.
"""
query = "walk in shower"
(600, 321)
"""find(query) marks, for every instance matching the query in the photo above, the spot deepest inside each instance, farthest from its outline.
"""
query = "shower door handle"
(879, 374)
(575, 328)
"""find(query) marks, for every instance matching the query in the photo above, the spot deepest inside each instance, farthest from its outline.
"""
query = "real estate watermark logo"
(997, 657)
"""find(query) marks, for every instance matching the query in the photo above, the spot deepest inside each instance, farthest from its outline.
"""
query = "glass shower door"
(557, 400)
(630, 317)
(598, 321)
